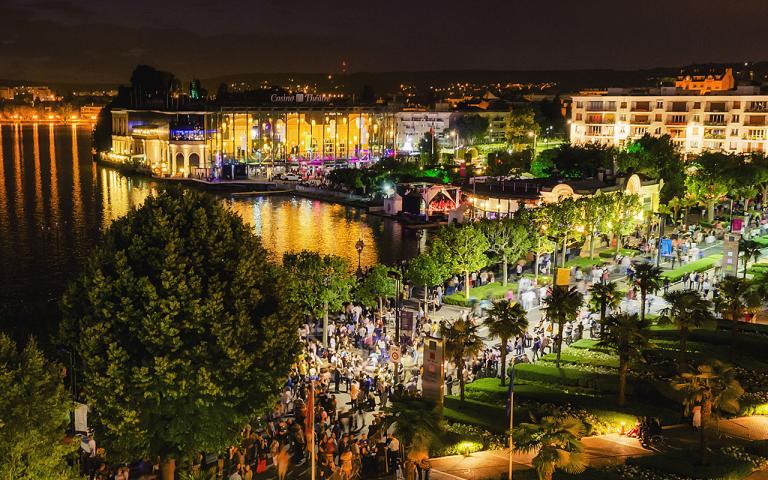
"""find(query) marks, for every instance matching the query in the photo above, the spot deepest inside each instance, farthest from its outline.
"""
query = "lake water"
(55, 202)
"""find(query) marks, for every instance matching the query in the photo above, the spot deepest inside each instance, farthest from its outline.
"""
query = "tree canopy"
(34, 413)
(462, 249)
(183, 327)
(316, 279)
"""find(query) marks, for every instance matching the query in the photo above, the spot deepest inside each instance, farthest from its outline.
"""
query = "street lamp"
(535, 136)
(359, 246)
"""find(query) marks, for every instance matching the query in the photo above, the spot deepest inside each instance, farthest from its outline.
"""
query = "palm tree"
(647, 279)
(736, 296)
(626, 335)
(461, 340)
(686, 311)
(604, 296)
(557, 442)
(714, 389)
(562, 306)
(417, 423)
(506, 320)
(751, 250)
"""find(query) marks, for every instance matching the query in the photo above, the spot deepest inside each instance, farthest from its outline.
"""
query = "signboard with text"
(433, 378)
(731, 254)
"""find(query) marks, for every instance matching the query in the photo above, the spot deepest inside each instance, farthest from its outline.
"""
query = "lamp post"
(359, 246)
(326, 282)
(535, 137)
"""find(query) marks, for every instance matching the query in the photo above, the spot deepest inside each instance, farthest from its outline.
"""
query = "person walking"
(536, 348)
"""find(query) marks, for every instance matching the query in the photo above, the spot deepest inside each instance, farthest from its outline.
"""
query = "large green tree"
(583, 161)
(183, 328)
(626, 335)
(34, 413)
(562, 306)
(686, 310)
(425, 270)
(508, 239)
(317, 284)
(595, 213)
(623, 212)
(559, 220)
(707, 181)
(505, 320)
(521, 127)
(461, 341)
(462, 250)
(657, 158)
(375, 286)
(471, 128)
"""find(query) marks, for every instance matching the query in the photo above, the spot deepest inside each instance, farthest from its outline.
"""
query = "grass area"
(686, 464)
(493, 290)
(566, 378)
(585, 262)
(700, 265)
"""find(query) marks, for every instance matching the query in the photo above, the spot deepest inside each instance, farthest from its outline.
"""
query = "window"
(734, 132)
(734, 118)
(579, 104)
(657, 131)
(695, 131)
(657, 118)
(623, 104)
(696, 118)
(578, 117)
(610, 105)
(676, 119)
(659, 103)
(716, 119)
(736, 105)
(756, 134)
(731, 145)
(622, 118)
(697, 105)
(594, 130)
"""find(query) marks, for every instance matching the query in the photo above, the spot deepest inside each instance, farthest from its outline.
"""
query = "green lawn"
(493, 290)
(585, 262)
(700, 265)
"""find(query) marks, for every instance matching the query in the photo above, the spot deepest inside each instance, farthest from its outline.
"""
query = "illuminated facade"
(707, 83)
(198, 143)
(735, 122)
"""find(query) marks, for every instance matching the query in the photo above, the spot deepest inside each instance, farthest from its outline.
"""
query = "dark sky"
(101, 40)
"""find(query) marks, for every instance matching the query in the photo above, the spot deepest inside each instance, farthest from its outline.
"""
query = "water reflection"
(55, 202)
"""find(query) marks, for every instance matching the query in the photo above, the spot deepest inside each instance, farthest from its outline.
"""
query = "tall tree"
(425, 270)
(647, 279)
(750, 250)
(375, 287)
(461, 341)
(556, 441)
(560, 220)
(183, 326)
(508, 239)
(686, 310)
(595, 213)
(521, 126)
(34, 413)
(604, 296)
(736, 297)
(713, 388)
(707, 181)
(624, 210)
(657, 158)
(317, 284)
(583, 161)
(562, 306)
(471, 127)
(626, 335)
(506, 320)
(462, 249)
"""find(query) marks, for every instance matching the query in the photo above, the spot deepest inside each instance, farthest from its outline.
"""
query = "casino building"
(300, 132)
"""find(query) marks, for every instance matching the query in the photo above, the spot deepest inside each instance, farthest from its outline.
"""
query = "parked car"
(291, 177)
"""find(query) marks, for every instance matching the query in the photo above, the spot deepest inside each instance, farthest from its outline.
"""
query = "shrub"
(701, 265)
(721, 466)
(572, 377)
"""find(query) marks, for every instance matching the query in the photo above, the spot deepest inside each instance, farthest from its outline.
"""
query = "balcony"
(714, 123)
(757, 109)
(714, 136)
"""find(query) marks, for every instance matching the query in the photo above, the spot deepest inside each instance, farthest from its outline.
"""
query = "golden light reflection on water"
(54, 185)
(77, 200)
(38, 173)
(120, 194)
(295, 224)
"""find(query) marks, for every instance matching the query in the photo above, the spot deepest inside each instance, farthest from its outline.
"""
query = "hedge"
(685, 464)
(571, 377)
(701, 265)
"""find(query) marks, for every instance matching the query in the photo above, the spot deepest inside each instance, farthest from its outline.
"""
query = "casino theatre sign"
(298, 98)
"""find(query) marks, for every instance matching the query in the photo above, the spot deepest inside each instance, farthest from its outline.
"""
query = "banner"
(433, 378)
(563, 278)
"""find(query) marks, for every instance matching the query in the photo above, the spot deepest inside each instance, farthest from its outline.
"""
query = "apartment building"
(733, 121)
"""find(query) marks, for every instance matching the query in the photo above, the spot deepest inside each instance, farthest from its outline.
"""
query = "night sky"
(101, 40)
